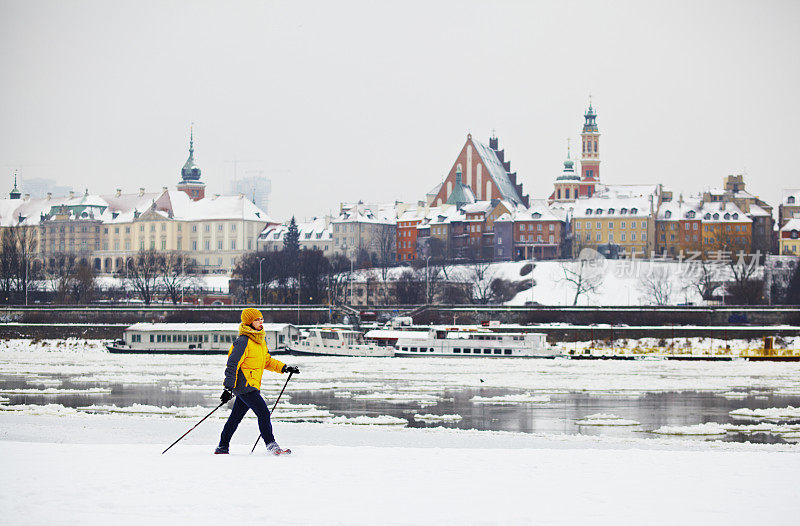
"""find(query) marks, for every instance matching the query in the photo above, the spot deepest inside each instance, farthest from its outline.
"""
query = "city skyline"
(366, 108)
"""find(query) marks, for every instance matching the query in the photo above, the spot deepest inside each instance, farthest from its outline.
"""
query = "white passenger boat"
(331, 341)
(473, 343)
(196, 338)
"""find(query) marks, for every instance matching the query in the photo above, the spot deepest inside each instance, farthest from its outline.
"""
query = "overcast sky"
(340, 101)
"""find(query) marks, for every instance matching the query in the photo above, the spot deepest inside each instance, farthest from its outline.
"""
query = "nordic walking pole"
(273, 409)
(197, 424)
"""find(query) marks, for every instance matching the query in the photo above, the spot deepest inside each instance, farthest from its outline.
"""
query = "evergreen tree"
(291, 241)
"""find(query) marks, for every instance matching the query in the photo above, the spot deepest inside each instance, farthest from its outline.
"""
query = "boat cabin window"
(498, 351)
(508, 351)
(487, 351)
(441, 335)
(457, 350)
(413, 349)
(152, 338)
(467, 351)
(216, 338)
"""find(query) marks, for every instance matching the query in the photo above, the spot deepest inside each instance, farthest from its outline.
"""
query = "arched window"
(668, 214)
(558, 193)
(735, 216)
(690, 215)
(610, 211)
(566, 193)
(623, 211)
(790, 200)
(588, 211)
(598, 211)
(716, 216)
(634, 211)
(537, 215)
(727, 216)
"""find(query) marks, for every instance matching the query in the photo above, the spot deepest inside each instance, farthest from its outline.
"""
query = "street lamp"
(260, 288)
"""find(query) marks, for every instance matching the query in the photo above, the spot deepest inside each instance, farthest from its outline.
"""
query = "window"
(588, 225)
(622, 237)
(233, 244)
(611, 224)
(598, 225)
(598, 236)
(233, 227)
(577, 225)
(141, 228)
(610, 237)
(207, 244)
(539, 227)
(644, 236)
(633, 236)
(207, 228)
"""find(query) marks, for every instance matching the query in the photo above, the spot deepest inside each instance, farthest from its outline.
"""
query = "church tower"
(190, 174)
(568, 183)
(590, 152)
(15, 193)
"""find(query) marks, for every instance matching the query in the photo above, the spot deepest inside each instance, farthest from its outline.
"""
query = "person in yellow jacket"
(247, 359)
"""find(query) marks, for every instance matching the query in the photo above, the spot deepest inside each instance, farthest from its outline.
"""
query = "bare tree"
(585, 275)
(655, 286)
(481, 274)
(747, 287)
(704, 276)
(386, 243)
(144, 271)
(177, 274)
(17, 272)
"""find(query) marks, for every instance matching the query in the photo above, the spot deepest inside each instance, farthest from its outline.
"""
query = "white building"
(316, 234)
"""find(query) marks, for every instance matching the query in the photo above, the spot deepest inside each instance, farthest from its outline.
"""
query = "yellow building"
(790, 238)
(620, 225)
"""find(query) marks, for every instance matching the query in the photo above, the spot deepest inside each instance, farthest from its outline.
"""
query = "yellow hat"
(250, 314)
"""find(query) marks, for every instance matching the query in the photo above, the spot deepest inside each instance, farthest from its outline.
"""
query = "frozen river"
(615, 399)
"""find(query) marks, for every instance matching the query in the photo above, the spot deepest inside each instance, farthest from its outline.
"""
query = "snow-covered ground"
(99, 463)
(110, 469)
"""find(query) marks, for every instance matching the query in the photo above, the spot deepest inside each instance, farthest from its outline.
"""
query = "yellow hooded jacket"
(247, 359)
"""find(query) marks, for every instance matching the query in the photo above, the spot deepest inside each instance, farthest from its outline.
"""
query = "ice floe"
(605, 419)
(383, 420)
(525, 398)
(52, 391)
(707, 429)
(771, 413)
(437, 418)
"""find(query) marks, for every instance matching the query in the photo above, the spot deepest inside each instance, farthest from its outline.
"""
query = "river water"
(559, 415)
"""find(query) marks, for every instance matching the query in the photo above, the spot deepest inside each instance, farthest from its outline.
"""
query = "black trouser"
(251, 400)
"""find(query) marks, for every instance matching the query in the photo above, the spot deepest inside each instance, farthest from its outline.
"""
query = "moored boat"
(453, 342)
(195, 338)
(333, 341)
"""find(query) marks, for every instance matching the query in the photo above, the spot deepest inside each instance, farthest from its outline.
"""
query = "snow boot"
(274, 449)
(221, 450)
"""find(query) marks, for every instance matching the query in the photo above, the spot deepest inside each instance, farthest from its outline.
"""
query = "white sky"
(338, 101)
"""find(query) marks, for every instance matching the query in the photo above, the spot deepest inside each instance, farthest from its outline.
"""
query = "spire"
(15, 193)
(589, 124)
(568, 157)
(190, 170)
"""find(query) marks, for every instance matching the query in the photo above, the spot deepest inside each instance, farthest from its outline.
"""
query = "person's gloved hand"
(225, 396)
(291, 369)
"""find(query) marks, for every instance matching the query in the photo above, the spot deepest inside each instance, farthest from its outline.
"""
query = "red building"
(485, 172)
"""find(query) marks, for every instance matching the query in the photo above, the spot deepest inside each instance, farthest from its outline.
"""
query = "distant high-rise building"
(39, 187)
(255, 188)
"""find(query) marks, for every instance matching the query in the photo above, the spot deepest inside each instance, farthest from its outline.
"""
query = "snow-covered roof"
(617, 206)
(628, 190)
(757, 211)
(361, 213)
(792, 224)
(497, 171)
(318, 229)
(538, 211)
(723, 212)
(680, 210)
(478, 207)
(786, 193)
